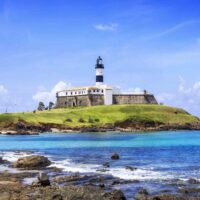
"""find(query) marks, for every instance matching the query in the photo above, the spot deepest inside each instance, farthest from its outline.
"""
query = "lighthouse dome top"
(99, 63)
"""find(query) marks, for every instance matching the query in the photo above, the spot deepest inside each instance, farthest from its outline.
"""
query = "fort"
(100, 94)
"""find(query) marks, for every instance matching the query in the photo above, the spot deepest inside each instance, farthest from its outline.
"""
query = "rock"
(72, 178)
(115, 156)
(171, 197)
(9, 183)
(193, 181)
(131, 168)
(142, 195)
(91, 193)
(116, 182)
(32, 162)
(54, 169)
(102, 170)
(57, 197)
(117, 195)
(189, 190)
(1, 160)
(106, 164)
(102, 185)
(43, 179)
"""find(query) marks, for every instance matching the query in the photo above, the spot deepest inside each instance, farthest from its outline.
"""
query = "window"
(71, 93)
(66, 93)
(102, 91)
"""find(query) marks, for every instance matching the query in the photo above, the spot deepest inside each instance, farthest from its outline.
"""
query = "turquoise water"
(160, 157)
(92, 140)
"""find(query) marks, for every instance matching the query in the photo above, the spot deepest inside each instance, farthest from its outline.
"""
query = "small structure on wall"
(100, 94)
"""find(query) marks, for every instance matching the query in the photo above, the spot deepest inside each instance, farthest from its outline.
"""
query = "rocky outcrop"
(32, 162)
(142, 195)
(128, 125)
(63, 179)
(131, 168)
(106, 164)
(22, 126)
(1, 160)
(18, 192)
(115, 156)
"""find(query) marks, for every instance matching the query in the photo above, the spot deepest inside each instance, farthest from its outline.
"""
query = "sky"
(50, 45)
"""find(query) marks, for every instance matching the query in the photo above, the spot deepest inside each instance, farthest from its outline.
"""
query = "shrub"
(81, 120)
(97, 120)
(90, 120)
(68, 120)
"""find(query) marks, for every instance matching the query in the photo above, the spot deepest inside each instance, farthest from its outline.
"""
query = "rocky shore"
(23, 128)
(35, 179)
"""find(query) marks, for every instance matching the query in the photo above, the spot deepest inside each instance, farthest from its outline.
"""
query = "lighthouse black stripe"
(99, 66)
(99, 78)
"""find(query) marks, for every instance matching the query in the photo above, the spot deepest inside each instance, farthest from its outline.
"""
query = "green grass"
(105, 115)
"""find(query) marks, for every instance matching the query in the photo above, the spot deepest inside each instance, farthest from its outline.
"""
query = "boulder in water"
(131, 168)
(1, 160)
(117, 195)
(115, 156)
(193, 181)
(106, 164)
(32, 162)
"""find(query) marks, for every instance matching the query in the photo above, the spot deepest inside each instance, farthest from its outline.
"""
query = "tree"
(51, 104)
(41, 106)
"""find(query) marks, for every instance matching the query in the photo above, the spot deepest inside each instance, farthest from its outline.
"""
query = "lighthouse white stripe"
(99, 72)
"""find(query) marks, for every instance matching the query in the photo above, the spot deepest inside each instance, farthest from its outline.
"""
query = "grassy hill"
(102, 115)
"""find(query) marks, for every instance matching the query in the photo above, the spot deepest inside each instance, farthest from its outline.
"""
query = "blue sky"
(148, 44)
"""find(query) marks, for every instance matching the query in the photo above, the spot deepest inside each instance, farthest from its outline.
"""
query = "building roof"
(87, 88)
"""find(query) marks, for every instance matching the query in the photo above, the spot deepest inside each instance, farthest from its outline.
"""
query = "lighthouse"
(99, 71)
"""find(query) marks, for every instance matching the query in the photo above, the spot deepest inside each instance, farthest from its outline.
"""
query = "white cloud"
(107, 27)
(136, 90)
(196, 86)
(3, 90)
(174, 28)
(47, 96)
(187, 97)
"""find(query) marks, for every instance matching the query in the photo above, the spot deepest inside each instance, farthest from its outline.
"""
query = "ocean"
(160, 158)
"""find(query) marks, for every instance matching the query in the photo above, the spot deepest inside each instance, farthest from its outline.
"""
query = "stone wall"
(82, 100)
(95, 99)
(134, 99)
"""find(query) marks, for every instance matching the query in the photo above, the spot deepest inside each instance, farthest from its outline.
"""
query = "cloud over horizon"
(47, 96)
(187, 97)
(3, 90)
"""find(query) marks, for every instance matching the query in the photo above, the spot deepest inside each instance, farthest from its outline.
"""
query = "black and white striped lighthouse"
(99, 71)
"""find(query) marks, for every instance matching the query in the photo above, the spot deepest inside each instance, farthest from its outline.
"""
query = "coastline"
(30, 129)
(20, 182)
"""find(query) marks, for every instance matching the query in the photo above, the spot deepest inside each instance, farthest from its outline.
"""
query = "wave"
(68, 165)
(13, 156)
